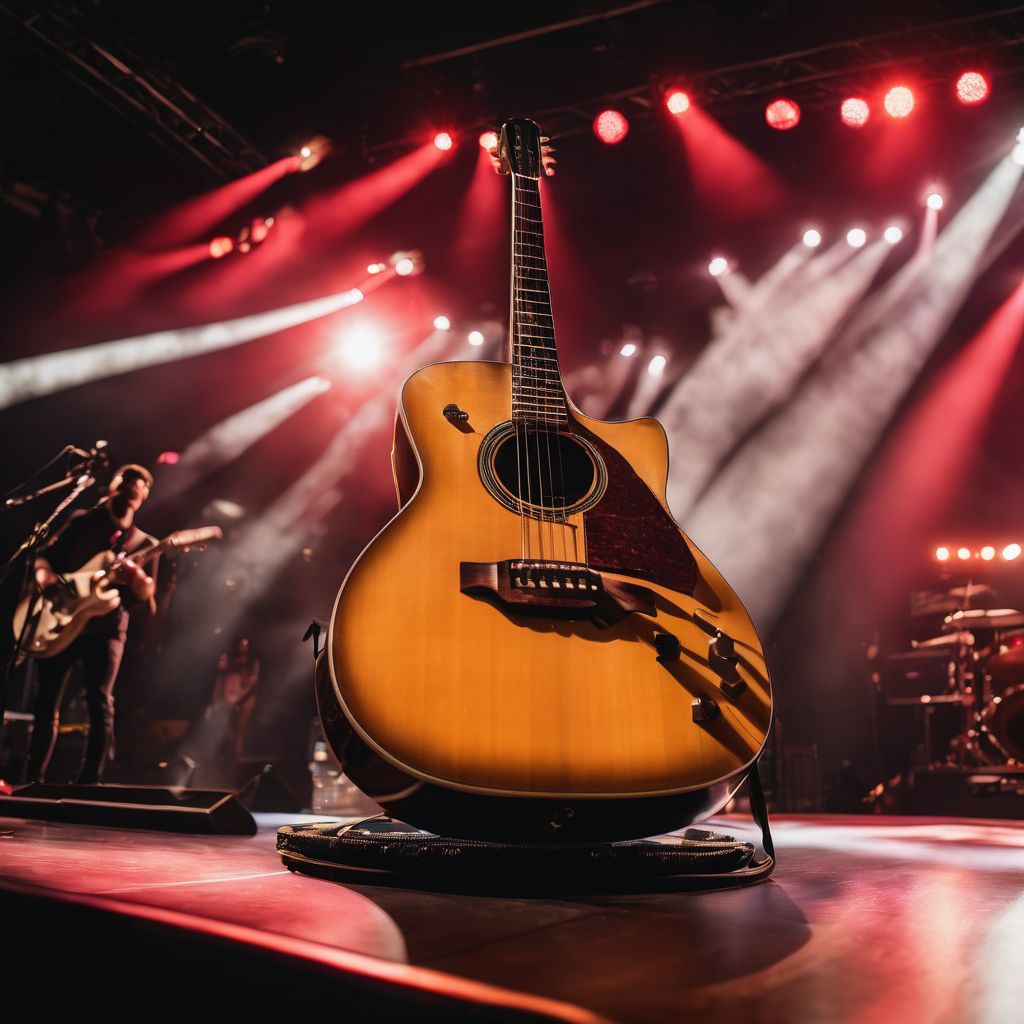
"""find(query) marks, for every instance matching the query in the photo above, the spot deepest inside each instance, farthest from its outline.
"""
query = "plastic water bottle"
(323, 770)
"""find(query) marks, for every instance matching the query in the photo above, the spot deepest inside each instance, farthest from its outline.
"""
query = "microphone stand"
(82, 478)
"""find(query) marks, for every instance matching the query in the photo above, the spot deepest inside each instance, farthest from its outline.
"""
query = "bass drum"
(1002, 721)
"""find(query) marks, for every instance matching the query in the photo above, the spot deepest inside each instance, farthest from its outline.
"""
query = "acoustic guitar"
(61, 612)
(532, 650)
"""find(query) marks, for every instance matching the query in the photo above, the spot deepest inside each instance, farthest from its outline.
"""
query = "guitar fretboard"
(537, 393)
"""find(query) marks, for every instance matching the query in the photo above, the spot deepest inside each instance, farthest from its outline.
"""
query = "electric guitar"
(58, 615)
(532, 650)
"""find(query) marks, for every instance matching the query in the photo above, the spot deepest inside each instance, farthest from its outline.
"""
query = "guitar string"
(551, 506)
(551, 511)
(558, 441)
(516, 359)
(536, 378)
(517, 293)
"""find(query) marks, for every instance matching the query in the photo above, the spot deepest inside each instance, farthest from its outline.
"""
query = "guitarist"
(109, 528)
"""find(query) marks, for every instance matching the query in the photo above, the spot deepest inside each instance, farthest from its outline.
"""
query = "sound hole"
(546, 472)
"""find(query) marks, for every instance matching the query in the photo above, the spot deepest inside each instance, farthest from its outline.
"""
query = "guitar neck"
(537, 393)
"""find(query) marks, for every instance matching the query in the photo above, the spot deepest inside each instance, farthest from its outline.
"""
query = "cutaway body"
(462, 712)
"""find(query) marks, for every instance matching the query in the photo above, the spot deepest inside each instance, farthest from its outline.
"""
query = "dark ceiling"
(280, 72)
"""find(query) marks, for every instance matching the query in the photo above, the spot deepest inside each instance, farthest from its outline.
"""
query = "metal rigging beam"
(120, 73)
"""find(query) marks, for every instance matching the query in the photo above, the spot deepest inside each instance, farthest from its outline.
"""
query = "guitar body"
(463, 711)
(59, 623)
(59, 615)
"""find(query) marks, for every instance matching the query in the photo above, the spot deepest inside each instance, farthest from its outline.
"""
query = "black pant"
(101, 658)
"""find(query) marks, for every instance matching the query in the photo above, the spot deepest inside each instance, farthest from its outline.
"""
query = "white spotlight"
(361, 348)
(934, 201)
(1011, 551)
(442, 323)
(656, 366)
(475, 338)
(856, 237)
(893, 234)
(812, 238)
(718, 266)
(988, 552)
(627, 350)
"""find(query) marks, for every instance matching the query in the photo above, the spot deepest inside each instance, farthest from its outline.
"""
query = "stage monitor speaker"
(993, 792)
(161, 808)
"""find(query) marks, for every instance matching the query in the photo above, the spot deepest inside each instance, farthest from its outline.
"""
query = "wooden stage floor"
(866, 919)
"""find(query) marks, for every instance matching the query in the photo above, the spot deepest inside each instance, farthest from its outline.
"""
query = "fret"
(537, 392)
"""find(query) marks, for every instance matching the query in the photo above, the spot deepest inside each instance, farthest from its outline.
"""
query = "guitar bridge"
(555, 589)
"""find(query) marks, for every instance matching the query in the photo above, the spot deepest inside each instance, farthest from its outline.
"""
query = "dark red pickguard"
(628, 530)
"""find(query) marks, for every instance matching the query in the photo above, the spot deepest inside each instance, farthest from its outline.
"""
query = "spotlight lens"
(360, 349)
(221, 246)
(1011, 551)
(443, 141)
(782, 114)
(442, 323)
(656, 366)
(718, 266)
(988, 552)
(404, 267)
(475, 338)
(677, 102)
(899, 101)
(855, 112)
(971, 88)
(375, 268)
(856, 237)
(963, 554)
(893, 234)
(611, 127)
(942, 554)
(305, 152)
(934, 201)
(489, 141)
(812, 238)
(627, 350)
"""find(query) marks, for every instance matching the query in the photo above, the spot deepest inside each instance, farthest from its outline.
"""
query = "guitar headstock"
(191, 538)
(520, 149)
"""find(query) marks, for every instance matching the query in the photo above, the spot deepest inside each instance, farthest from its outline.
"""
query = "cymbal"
(949, 640)
(970, 590)
(932, 602)
(983, 618)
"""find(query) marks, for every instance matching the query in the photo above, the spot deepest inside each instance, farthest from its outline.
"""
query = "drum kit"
(977, 663)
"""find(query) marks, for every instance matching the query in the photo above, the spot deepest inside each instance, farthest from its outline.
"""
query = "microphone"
(82, 482)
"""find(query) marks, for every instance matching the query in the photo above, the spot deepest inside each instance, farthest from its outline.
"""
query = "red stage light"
(677, 102)
(1011, 551)
(168, 458)
(782, 114)
(988, 552)
(899, 101)
(942, 554)
(963, 554)
(611, 127)
(489, 141)
(971, 88)
(404, 267)
(260, 230)
(443, 141)
(221, 247)
(855, 112)
(935, 201)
